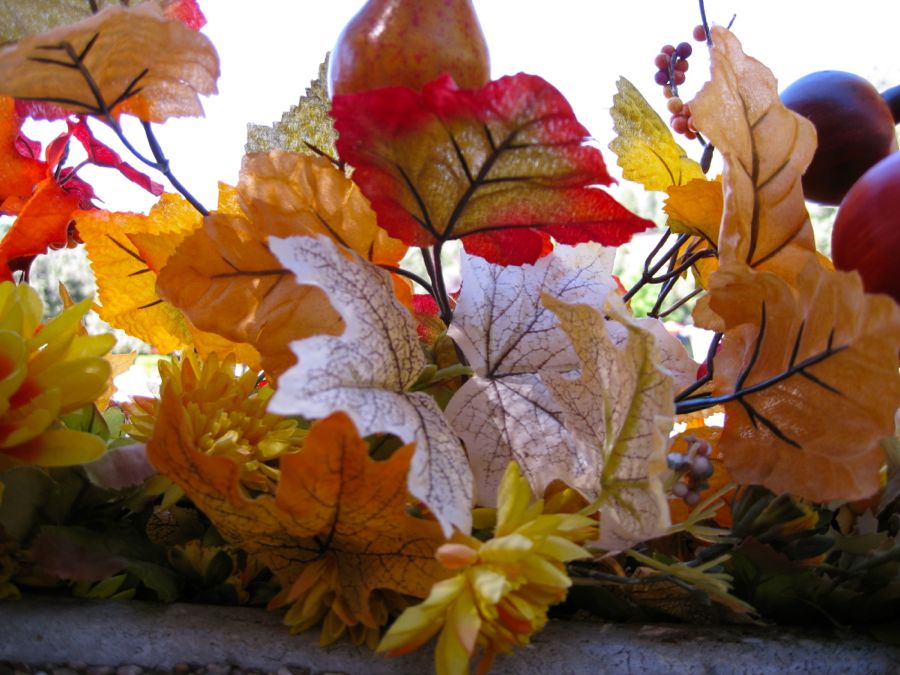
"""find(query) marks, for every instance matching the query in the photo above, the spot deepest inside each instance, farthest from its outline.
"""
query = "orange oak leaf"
(139, 61)
(20, 166)
(817, 362)
(766, 148)
(227, 282)
(504, 168)
(333, 504)
(42, 222)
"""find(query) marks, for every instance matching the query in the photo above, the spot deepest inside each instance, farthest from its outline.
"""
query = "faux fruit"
(408, 43)
(866, 234)
(854, 125)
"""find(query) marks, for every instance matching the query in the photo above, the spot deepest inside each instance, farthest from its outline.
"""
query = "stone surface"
(39, 631)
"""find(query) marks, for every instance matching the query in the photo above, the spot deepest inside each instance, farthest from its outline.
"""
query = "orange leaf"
(227, 282)
(157, 66)
(42, 222)
(285, 193)
(332, 501)
(18, 173)
(766, 149)
(815, 431)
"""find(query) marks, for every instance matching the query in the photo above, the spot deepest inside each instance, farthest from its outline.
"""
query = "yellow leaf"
(647, 151)
(696, 208)
(118, 364)
(766, 148)
(140, 61)
(829, 353)
(126, 282)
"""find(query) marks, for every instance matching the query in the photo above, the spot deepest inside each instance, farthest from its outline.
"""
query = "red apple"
(408, 43)
(854, 125)
(866, 235)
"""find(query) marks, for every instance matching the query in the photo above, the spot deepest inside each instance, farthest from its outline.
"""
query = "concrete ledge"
(59, 630)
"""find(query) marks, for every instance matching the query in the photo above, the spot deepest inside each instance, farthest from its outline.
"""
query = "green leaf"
(88, 419)
(306, 124)
(157, 578)
(26, 489)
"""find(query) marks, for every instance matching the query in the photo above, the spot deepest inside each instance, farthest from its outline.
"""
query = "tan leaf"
(815, 431)
(766, 149)
(647, 151)
(152, 66)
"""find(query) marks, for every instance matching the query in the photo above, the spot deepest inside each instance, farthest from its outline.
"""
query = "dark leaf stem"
(103, 110)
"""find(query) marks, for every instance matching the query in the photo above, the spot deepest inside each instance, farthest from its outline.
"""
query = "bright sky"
(270, 50)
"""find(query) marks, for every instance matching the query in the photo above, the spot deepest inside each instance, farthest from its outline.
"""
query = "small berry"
(674, 105)
(691, 127)
(678, 124)
(699, 33)
(661, 61)
(677, 78)
(682, 65)
(667, 91)
(692, 498)
(686, 110)
(668, 50)
(702, 468)
(684, 50)
(680, 490)
(661, 77)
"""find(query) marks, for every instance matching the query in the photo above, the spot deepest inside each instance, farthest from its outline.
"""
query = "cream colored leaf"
(646, 148)
(506, 412)
(621, 408)
(368, 371)
(153, 66)
(766, 148)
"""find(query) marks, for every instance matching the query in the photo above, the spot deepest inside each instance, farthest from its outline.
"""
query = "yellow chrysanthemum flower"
(227, 414)
(46, 371)
(504, 586)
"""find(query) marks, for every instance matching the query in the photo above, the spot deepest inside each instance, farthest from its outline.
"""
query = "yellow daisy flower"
(46, 371)
(504, 587)
(227, 414)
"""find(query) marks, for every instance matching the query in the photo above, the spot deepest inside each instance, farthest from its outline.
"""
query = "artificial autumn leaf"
(332, 502)
(126, 284)
(100, 154)
(305, 126)
(42, 223)
(286, 194)
(367, 371)
(20, 18)
(644, 144)
(819, 361)
(505, 412)
(696, 208)
(152, 66)
(620, 407)
(503, 167)
(19, 171)
(225, 279)
(766, 148)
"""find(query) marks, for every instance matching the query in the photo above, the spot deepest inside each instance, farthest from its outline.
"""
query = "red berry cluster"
(694, 468)
(672, 64)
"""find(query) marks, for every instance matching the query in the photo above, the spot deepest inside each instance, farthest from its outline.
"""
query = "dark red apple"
(854, 125)
(408, 43)
(866, 235)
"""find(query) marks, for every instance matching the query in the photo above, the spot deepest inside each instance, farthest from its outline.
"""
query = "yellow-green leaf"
(646, 148)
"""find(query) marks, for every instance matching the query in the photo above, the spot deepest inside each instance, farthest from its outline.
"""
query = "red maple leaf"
(504, 168)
